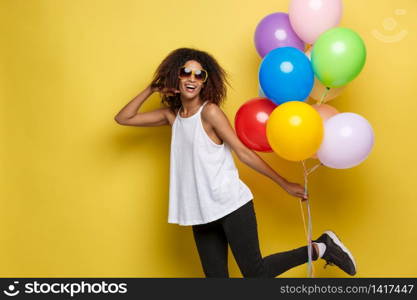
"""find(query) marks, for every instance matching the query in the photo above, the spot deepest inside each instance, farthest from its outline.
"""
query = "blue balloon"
(286, 74)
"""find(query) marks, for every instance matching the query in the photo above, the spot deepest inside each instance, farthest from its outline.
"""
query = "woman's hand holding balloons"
(288, 75)
(295, 189)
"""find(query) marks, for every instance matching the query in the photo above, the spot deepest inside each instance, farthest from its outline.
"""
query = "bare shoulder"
(212, 111)
(211, 118)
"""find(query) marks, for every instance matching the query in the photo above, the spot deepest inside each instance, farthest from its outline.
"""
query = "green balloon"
(338, 56)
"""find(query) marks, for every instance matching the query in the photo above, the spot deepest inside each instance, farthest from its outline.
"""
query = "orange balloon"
(325, 111)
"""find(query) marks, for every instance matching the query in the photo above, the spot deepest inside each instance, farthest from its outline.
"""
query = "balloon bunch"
(306, 55)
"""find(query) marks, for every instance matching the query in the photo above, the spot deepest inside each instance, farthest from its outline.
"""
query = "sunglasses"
(186, 72)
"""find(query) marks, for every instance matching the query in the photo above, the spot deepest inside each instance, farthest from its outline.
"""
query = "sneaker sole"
(336, 240)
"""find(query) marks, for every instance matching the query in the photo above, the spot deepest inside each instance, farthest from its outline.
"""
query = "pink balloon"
(348, 140)
(310, 18)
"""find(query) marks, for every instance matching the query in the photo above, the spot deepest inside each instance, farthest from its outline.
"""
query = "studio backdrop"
(81, 196)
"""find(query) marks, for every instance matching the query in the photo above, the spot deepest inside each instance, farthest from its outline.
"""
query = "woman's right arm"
(130, 116)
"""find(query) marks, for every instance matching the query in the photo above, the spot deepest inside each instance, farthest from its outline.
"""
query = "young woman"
(205, 190)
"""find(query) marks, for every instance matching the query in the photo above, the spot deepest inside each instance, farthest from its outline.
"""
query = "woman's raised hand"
(165, 90)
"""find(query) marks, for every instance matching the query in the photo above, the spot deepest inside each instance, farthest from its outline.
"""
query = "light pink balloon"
(348, 140)
(310, 18)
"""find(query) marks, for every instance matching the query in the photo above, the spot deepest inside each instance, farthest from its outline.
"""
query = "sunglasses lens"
(185, 72)
(200, 75)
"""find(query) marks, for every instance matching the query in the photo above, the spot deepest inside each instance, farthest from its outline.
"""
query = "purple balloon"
(348, 140)
(275, 31)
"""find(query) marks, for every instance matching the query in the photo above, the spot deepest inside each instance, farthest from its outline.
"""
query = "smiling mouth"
(190, 89)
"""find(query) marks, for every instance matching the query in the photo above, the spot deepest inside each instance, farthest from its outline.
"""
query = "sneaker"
(336, 253)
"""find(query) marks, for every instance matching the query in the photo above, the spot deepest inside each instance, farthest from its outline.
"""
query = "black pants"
(239, 230)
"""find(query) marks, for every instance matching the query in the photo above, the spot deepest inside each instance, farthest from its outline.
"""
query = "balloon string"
(309, 242)
(302, 214)
(324, 95)
(314, 168)
(305, 229)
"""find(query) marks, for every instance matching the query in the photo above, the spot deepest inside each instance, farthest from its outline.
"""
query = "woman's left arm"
(218, 119)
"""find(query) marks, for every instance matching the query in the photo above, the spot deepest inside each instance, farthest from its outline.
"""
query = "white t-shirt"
(204, 181)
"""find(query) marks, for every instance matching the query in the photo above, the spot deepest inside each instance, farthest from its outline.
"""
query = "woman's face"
(190, 87)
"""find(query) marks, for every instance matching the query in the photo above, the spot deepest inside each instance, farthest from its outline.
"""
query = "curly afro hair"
(166, 76)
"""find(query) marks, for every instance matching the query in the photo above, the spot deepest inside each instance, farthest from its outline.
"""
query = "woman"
(205, 190)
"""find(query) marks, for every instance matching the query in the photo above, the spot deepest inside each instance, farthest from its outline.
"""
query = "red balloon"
(250, 123)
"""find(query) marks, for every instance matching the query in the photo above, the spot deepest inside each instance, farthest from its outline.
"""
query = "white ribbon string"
(310, 224)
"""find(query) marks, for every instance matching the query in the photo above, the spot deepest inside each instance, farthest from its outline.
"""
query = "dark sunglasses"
(198, 74)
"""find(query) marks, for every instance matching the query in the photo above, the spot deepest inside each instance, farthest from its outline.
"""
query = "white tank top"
(204, 182)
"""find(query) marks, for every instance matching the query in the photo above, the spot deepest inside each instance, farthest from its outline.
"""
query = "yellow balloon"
(294, 130)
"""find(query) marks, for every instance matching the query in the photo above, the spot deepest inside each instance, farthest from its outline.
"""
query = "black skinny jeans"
(239, 230)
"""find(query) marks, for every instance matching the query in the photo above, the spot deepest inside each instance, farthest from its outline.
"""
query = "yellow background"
(83, 196)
